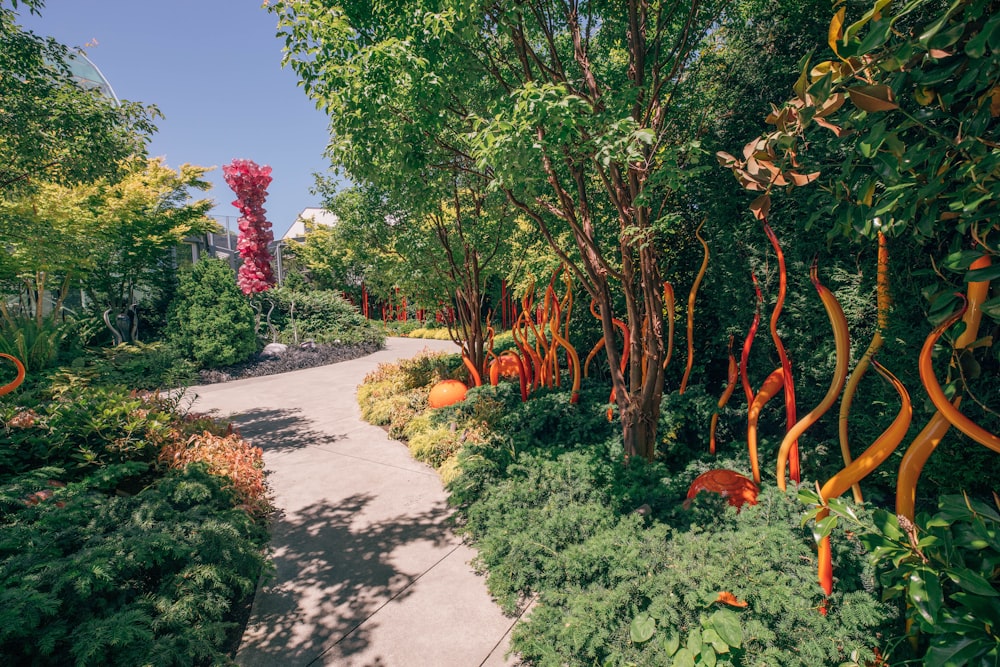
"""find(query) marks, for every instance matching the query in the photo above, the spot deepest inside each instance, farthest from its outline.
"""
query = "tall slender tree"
(563, 106)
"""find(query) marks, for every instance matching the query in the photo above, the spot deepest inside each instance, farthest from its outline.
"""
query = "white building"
(309, 217)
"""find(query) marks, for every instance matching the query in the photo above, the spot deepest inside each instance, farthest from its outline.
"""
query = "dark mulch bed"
(295, 358)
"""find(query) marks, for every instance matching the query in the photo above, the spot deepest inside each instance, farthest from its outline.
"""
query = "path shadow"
(333, 571)
(279, 430)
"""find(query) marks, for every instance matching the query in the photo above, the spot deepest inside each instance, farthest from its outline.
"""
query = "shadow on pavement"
(279, 431)
(334, 571)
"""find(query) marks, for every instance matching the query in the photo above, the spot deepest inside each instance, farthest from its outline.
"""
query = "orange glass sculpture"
(11, 386)
(505, 366)
(737, 489)
(447, 392)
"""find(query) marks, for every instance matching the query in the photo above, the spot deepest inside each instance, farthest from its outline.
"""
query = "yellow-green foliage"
(374, 399)
(435, 445)
(449, 470)
(435, 334)
(395, 395)
(403, 408)
(417, 425)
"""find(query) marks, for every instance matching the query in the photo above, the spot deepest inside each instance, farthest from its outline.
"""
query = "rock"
(274, 350)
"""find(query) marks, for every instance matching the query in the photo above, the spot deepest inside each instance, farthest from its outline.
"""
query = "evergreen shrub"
(88, 578)
(210, 320)
(323, 316)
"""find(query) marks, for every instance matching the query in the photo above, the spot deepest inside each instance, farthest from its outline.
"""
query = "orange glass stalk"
(842, 344)
(772, 385)
(690, 313)
(793, 453)
(668, 301)
(11, 386)
(731, 374)
(862, 466)
(933, 388)
(748, 343)
(883, 301)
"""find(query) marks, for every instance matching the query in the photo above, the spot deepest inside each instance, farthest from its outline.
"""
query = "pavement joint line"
(381, 463)
(527, 606)
(384, 604)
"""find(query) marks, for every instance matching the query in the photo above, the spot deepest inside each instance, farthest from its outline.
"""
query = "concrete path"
(368, 573)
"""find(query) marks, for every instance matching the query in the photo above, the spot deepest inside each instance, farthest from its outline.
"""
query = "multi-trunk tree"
(563, 107)
(440, 251)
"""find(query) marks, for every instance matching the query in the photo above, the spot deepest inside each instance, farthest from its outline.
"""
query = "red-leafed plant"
(227, 456)
(249, 181)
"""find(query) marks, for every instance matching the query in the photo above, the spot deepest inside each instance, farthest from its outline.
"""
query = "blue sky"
(213, 67)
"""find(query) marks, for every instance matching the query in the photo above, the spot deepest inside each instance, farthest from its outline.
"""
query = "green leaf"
(694, 641)
(683, 658)
(972, 581)
(955, 651)
(887, 524)
(808, 497)
(976, 47)
(642, 629)
(924, 593)
(710, 636)
(960, 260)
(810, 515)
(671, 643)
(726, 623)
(936, 27)
(824, 527)
(983, 274)
(991, 308)
(842, 507)
(708, 657)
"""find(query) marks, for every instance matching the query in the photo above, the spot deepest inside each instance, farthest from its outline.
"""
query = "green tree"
(210, 320)
(51, 129)
(110, 238)
(444, 250)
(137, 222)
(49, 244)
(561, 106)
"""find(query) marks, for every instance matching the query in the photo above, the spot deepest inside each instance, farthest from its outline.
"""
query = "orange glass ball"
(734, 487)
(446, 392)
(506, 366)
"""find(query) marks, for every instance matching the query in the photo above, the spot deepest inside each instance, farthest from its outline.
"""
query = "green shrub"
(210, 320)
(323, 316)
(143, 366)
(623, 593)
(523, 523)
(86, 428)
(88, 578)
(946, 566)
(435, 333)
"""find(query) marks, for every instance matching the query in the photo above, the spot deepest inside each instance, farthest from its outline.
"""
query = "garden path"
(367, 570)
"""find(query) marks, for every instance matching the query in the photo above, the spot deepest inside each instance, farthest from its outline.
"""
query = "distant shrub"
(437, 333)
(210, 320)
(323, 316)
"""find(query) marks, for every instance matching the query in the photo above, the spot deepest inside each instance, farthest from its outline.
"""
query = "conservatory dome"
(88, 76)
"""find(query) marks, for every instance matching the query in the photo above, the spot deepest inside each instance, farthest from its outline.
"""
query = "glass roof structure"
(88, 76)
